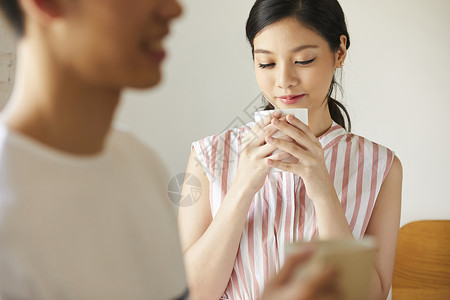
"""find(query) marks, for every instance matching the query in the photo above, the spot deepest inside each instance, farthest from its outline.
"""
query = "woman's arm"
(383, 226)
(331, 221)
(311, 167)
(210, 245)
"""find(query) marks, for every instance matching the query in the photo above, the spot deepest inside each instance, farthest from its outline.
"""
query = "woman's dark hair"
(14, 14)
(323, 16)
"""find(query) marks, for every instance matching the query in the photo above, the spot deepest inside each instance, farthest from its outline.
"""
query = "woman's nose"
(287, 78)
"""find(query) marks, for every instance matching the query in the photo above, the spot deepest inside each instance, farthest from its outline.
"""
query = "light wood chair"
(422, 261)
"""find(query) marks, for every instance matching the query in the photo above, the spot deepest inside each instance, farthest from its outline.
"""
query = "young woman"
(334, 184)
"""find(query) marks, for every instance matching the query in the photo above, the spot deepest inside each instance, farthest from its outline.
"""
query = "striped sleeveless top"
(281, 212)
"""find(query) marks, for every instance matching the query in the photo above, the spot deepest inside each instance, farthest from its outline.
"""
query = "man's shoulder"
(10, 147)
(123, 140)
(126, 145)
(5, 137)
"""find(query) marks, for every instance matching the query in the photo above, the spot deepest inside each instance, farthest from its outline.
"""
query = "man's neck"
(54, 107)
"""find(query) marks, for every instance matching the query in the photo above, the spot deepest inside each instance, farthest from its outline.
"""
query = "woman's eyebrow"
(296, 49)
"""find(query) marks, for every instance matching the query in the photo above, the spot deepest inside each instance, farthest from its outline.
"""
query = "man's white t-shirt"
(97, 227)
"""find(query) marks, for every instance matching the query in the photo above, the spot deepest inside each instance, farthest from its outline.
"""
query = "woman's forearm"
(332, 224)
(210, 260)
(377, 290)
(331, 221)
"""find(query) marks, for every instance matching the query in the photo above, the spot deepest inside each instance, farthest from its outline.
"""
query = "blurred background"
(395, 80)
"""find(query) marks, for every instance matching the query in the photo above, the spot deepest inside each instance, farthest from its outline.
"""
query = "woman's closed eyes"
(303, 63)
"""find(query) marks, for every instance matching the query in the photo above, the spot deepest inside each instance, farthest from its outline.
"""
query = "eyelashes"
(303, 63)
(306, 62)
(264, 66)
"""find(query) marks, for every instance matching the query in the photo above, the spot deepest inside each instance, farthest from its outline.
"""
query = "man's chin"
(147, 83)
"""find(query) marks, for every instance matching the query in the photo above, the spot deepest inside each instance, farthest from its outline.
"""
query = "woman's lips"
(291, 99)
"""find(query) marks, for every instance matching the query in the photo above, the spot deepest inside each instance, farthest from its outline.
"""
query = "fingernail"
(269, 139)
(276, 121)
(277, 114)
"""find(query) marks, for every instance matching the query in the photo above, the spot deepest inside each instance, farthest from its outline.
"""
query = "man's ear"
(42, 11)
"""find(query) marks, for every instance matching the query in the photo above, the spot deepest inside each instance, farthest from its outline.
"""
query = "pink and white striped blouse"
(281, 212)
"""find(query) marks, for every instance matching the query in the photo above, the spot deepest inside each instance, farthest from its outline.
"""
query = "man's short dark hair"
(13, 13)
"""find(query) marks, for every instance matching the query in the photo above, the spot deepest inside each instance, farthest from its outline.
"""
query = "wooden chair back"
(422, 261)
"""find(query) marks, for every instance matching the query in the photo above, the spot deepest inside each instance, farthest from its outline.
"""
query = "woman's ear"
(41, 11)
(341, 53)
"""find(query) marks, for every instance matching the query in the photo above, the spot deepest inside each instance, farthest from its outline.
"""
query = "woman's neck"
(319, 119)
(53, 106)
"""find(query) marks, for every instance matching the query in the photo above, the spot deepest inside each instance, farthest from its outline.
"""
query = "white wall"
(7, 61)
(208, 81)
(396, 84)
(397, 88)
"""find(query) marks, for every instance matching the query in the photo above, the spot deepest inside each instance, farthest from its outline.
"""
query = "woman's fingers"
(265, 150)
(291, 119)
(261, 129)
(259, 138)
(285, 166)
(291, 148)
(284, 137)
(295, 133)
(264, 121)
(283, 156)
(270, 151)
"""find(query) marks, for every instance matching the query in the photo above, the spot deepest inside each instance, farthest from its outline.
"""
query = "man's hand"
(288, 285)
